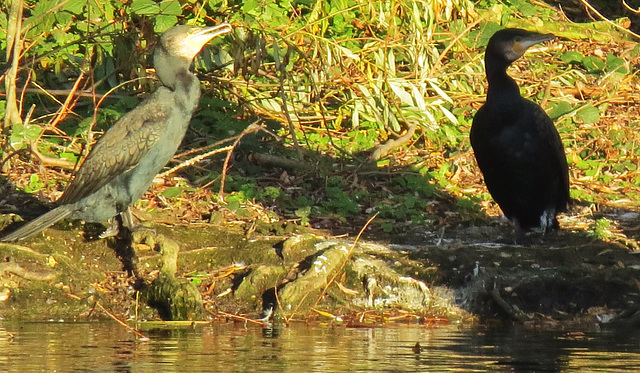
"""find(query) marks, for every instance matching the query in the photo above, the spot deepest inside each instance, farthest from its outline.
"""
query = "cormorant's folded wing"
(119, 149)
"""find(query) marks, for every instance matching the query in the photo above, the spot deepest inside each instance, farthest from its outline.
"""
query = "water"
(228, 347)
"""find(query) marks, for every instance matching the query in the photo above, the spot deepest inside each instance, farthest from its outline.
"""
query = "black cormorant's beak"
(523, 43)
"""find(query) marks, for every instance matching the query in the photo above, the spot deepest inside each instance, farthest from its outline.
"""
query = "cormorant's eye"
(517, 39)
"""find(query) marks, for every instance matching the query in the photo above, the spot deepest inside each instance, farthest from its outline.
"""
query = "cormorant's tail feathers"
(39, 224)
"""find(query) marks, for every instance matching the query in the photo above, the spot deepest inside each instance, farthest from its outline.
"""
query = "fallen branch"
(26, 274)
(275, 161)
(134, 331)
(511, 310)
(384, 149)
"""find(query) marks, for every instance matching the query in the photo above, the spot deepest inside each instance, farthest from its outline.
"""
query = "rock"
(174, 299)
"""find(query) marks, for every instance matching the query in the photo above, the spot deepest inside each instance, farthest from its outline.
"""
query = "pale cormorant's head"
(186, 41)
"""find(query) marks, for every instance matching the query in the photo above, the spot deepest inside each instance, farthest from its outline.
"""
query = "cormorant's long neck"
(174, 74)
(502, 88)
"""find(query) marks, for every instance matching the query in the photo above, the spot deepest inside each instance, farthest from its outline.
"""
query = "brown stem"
(14, 48)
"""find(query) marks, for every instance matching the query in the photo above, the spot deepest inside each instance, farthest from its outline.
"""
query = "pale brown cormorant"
(517, 147)
(122, 164)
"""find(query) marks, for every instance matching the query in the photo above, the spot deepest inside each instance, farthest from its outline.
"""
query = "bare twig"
(436, 65)
(241, 318)
(253, 127)
(104, 97)
(346, 259)
(636, 11)
(134, 331)
(591, 8)
(66, 106)
(191, 161)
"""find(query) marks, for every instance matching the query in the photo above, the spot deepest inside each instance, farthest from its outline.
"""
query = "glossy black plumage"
(516, 145)
(122, 164)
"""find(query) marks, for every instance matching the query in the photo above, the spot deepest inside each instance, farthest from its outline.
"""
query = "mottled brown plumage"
(122, 164)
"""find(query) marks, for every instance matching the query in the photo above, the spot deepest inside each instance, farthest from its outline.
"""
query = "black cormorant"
(123, 163)
(517, 147)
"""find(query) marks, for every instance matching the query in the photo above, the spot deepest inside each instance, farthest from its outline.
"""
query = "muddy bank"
(61, 275)
(565, 279)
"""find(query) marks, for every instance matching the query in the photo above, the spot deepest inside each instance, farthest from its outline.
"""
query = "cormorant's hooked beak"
(198, 37)
(522, 43)
(535, 38)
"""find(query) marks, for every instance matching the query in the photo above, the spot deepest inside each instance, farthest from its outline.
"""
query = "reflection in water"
(107, 347)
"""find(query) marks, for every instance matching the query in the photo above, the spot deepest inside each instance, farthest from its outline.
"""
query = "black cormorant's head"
(509, 44)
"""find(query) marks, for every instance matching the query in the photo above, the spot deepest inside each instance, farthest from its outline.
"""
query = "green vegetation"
(364, 107)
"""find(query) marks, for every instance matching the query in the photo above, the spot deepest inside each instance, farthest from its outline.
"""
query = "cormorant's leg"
(548, 220)
(123, 219)
(112, 230)
(519, 232)
(124, 244)
(127, 219)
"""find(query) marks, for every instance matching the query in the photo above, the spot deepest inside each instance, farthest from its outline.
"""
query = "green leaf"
(243, 213)
(250, 6)
(163, 23)
(28, 132)
(486, 33)
(593, 64)
(571, 57)
(75, 6)
(45, 23)
(615, 64)
(144, 7)
(215, 4)
(170, 7)
(387, 227)
(233, 205)
(34, 184)
(559, 109)
(69, 156)
(583, 165)
(588, 114)
(172, 192)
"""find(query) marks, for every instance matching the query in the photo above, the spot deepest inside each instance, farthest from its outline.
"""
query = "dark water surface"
(228, 347)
